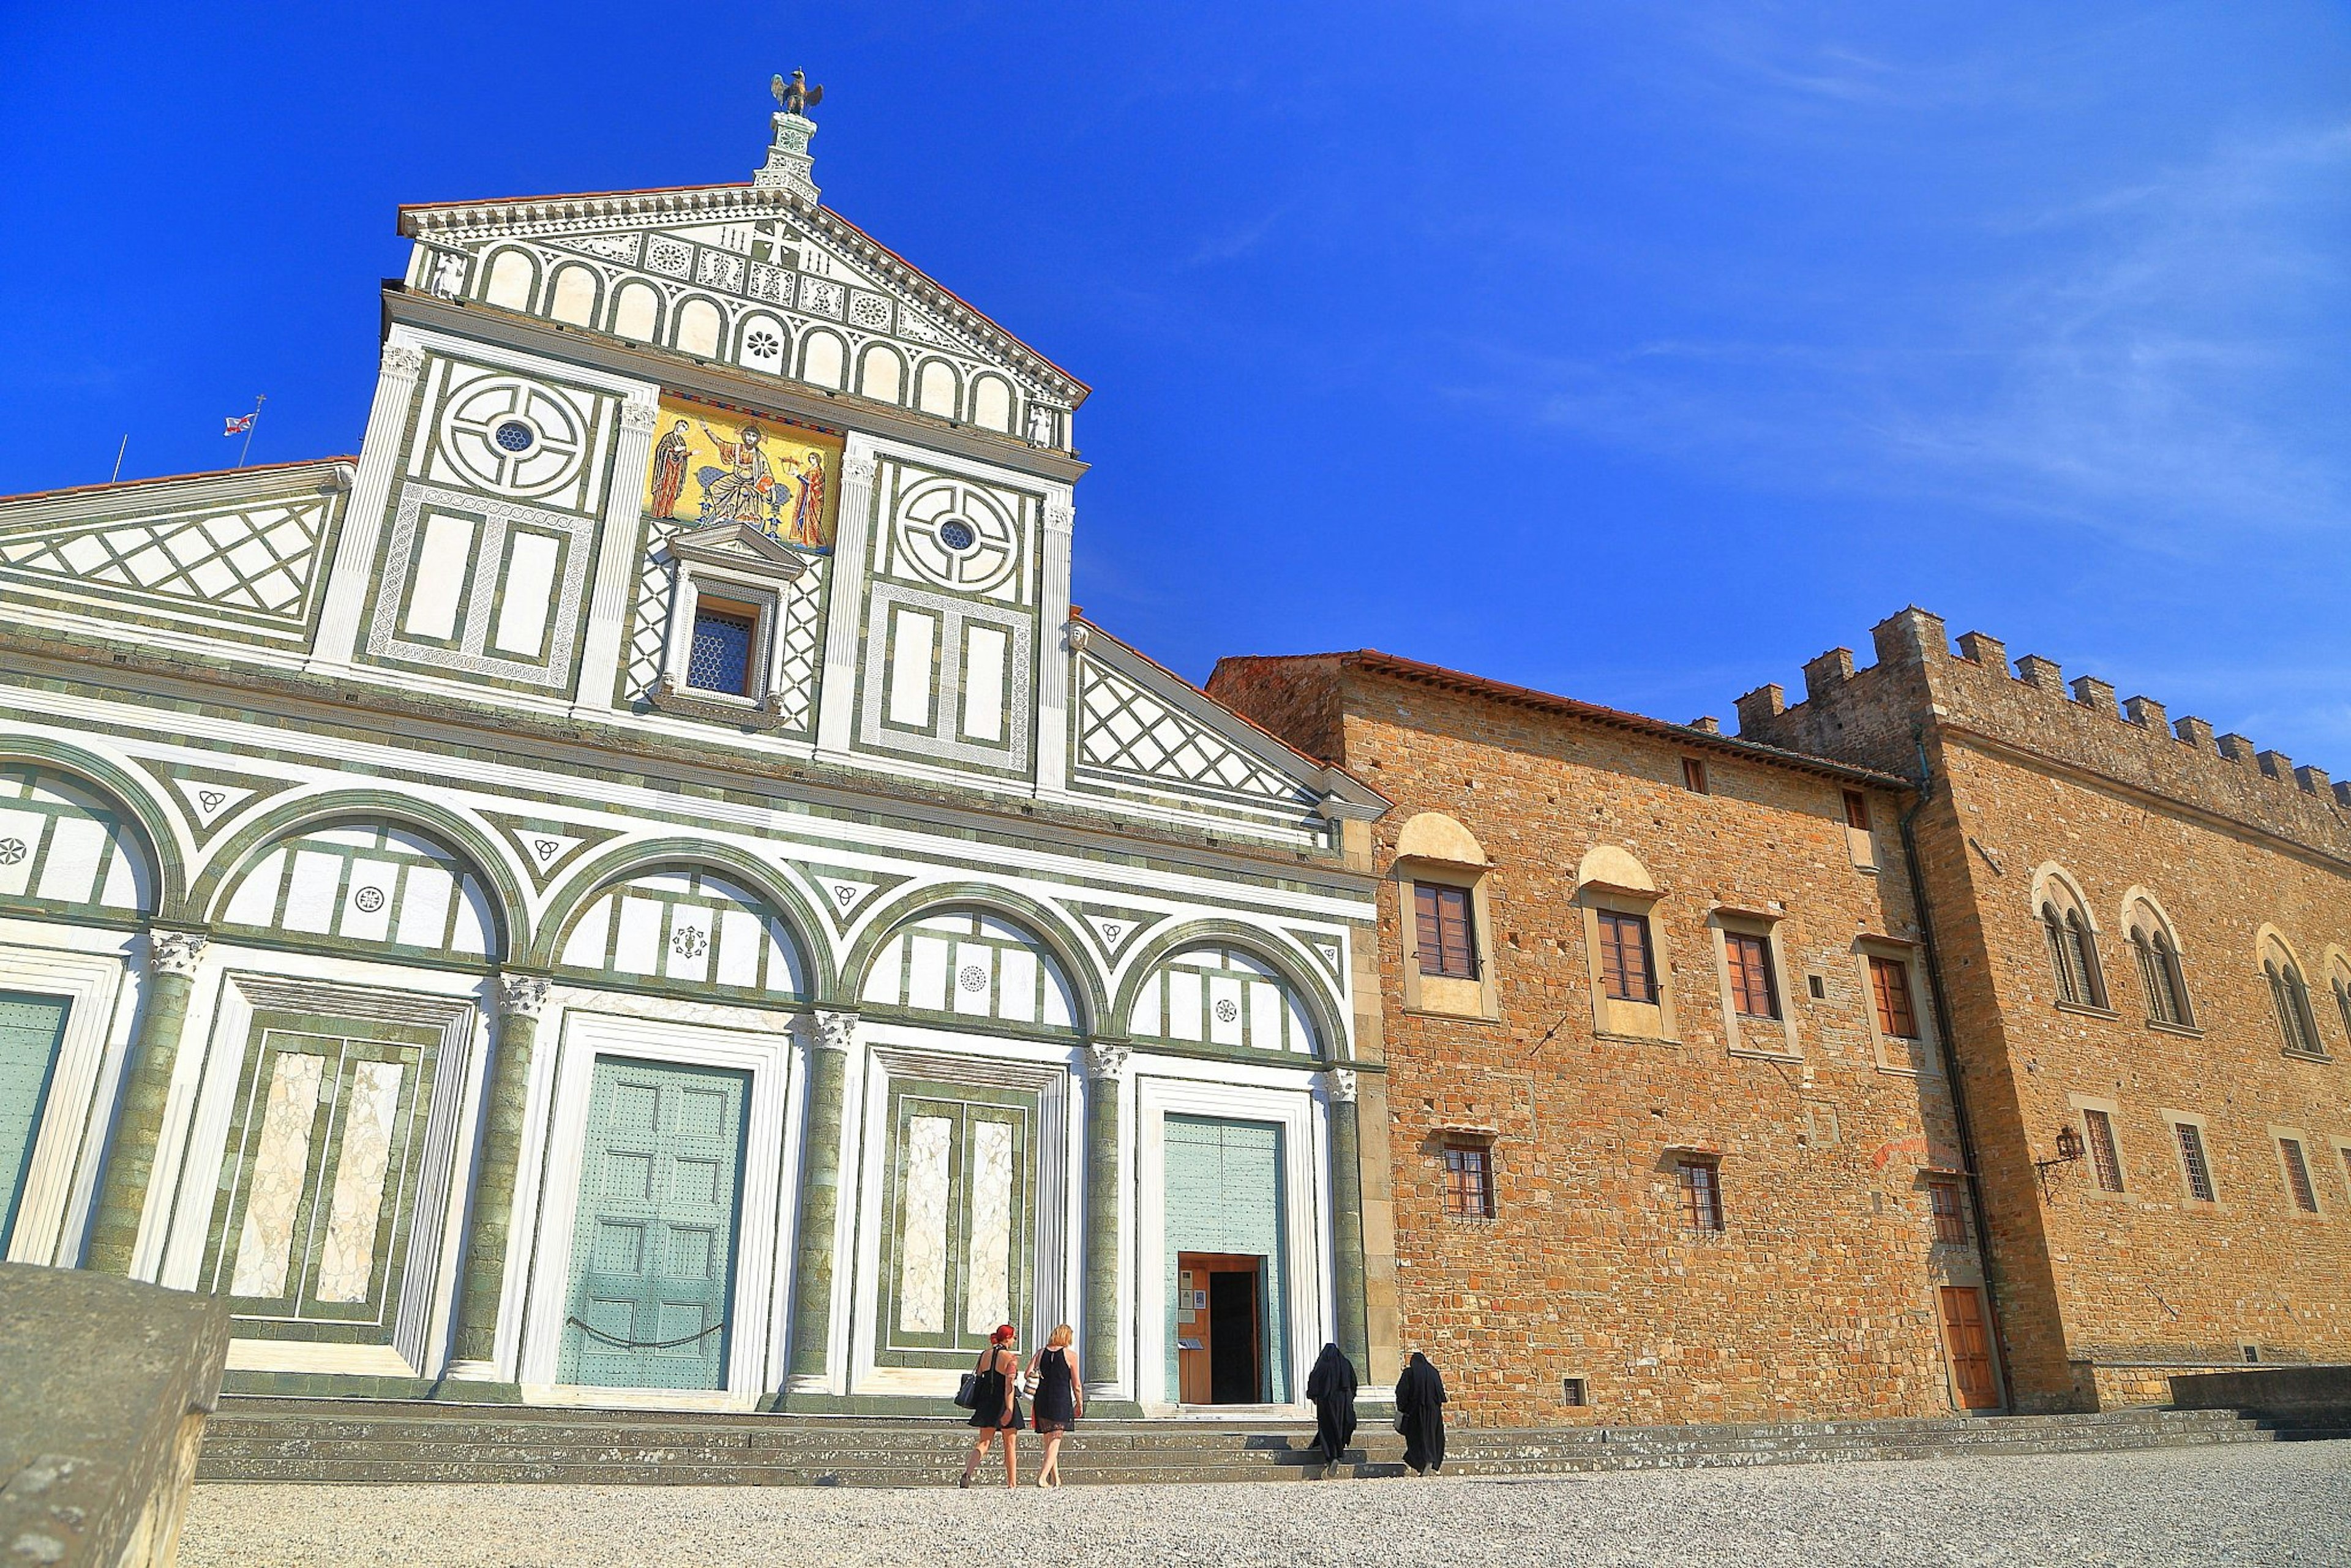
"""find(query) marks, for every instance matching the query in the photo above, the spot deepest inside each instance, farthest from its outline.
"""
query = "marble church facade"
(639, 886)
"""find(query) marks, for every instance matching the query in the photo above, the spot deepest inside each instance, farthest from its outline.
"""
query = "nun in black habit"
(1420, 1415)
(1331, 1386)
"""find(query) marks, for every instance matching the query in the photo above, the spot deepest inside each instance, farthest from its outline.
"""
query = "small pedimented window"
(2071, 942)
(66, 846)
(2162, 977)
(973, 965)
(368, 882)
(2289, 998)
(689, 927)
(1222, 996)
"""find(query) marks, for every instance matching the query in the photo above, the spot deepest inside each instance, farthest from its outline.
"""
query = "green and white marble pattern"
(923, 1248)
(275, 1190)
(987, 1300)
(347, 1262)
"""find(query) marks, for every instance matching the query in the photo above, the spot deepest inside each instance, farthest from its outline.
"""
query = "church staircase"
(367, 1441)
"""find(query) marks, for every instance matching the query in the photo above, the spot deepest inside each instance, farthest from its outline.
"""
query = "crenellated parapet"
(1875, 713)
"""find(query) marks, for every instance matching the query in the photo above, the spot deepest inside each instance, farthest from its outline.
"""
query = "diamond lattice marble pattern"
(1126, 728)
(258, 559)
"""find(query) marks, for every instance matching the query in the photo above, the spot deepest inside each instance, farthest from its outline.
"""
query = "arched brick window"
(2072, 944)
(2160, 975)
(2289, 995)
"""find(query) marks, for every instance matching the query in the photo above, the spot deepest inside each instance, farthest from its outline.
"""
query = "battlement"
(1870, 715)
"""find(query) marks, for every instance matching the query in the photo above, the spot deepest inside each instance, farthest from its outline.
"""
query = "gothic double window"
(2073, 947)
(2159, 973)
(2291, 996)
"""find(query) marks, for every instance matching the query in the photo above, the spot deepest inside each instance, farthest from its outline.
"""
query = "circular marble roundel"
(510, 436)
(956, 535)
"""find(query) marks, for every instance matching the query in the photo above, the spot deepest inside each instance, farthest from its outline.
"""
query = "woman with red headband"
(995, 1405)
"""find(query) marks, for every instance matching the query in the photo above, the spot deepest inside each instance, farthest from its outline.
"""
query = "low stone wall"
(2308, 1396)
(102, 1409)
(2121, 1386)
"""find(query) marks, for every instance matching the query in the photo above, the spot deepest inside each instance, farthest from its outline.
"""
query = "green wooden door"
(652, 1255)
(31, 1029)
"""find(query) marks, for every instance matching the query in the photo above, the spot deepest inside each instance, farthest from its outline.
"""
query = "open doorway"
(1220, 1328)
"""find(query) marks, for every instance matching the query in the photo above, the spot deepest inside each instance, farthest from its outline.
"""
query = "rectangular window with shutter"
(2297, 1176)
(1694, 776)
(2103, 1159)
(1443, 936)
(2192, 1162)
(1626, 971)
(1889, 979)
(1754, 988)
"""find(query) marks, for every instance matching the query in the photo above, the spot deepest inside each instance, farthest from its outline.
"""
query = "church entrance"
(1220, 1329)
(652, 1255)
(32, 1029)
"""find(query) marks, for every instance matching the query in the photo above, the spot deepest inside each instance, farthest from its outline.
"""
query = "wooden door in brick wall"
(1970, 1348)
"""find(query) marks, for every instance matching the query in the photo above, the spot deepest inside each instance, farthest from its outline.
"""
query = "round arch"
(510, 277)
(167, 847)
(1048, 925)
(576, 892)
(1305, 981)
(2269, 934)
(2049, 873)
(460, 835)
(2133, 897)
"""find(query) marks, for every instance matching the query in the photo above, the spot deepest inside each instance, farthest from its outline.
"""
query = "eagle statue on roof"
(796, 96)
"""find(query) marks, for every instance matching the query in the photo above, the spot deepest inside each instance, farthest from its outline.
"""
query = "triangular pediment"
(763, 279)
(740, 545)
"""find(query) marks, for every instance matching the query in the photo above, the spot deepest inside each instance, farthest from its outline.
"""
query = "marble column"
(490, 1219)
(172, 959)
(1104, 1177)
(1347, 1219)
(828, 1076)
(611, 604)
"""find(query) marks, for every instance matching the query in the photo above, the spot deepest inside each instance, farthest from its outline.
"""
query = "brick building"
(2142, 939)
(1668, 1131)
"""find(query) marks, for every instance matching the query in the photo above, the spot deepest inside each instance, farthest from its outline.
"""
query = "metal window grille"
(721, 658)
(1943, 1203)
(2191, 1159)
(1574, 1391)
(1469, 1182)
(2103, 1159)
(1702, 1193)
(2297, 1176)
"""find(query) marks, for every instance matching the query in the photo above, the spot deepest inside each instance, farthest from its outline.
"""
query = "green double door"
(652, 1253)
(32, 1028)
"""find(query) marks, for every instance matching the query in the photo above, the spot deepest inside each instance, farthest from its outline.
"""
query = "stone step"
(389, 1441)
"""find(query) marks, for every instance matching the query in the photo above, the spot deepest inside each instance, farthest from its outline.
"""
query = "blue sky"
(1629, 350)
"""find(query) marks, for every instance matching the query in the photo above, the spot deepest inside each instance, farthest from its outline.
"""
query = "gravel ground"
(2257, 1503)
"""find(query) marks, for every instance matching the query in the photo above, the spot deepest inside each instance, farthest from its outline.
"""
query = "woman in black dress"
(995, 1405)
(1058, 1401)
(1420, 1415)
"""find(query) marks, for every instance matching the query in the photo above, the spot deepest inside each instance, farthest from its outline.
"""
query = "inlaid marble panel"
(274, 1196)
(988, 1301)
(922, 1250)
(347, 1264)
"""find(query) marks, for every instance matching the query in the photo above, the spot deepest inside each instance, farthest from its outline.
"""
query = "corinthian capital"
(174, 952)
(641, 418)
(1341, 1082)
(836, 1031)
(858, 470)
(1105, 1061)
(521, 996)
(402, 360)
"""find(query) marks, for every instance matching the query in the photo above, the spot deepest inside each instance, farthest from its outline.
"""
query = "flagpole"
(256, 419)
(117, 460)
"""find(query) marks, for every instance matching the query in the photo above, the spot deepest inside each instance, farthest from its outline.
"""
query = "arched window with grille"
(2156, 951)
(2073, 944)
(2291, 996)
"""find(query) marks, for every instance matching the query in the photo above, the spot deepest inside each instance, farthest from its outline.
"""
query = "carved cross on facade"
(796, 96)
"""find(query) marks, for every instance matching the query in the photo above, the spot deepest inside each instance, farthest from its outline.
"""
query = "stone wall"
(2030, 781)
(1819, 1296)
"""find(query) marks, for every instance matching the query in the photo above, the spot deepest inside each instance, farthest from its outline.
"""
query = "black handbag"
(968, 1391)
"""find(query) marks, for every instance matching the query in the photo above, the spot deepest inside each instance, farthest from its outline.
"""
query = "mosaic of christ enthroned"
(713, 465)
